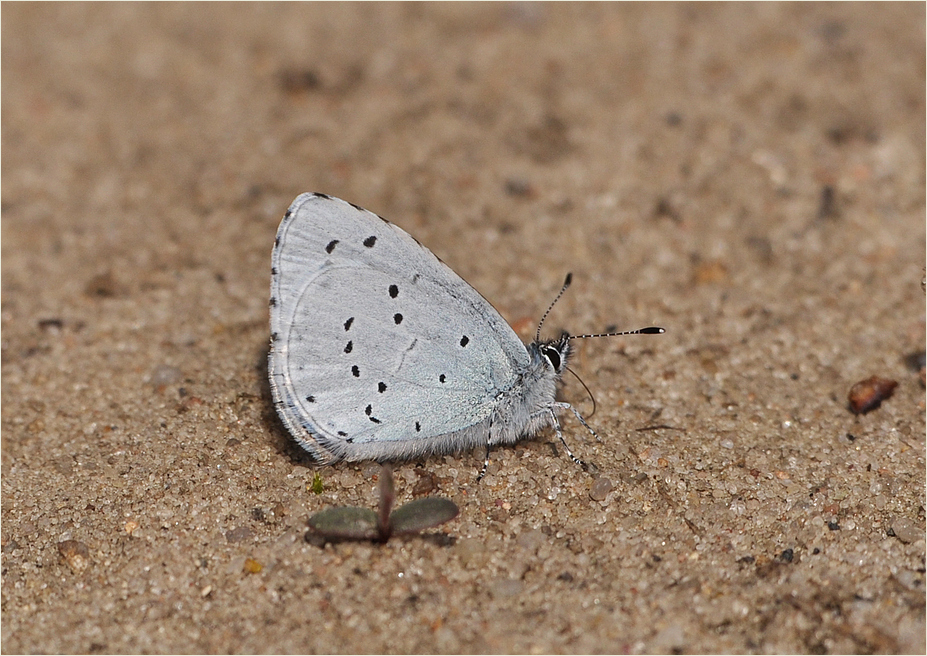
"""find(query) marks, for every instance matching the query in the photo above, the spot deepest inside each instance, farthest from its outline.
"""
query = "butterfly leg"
(488, 442)
(579, 417)
(556, 424)
(485, 465)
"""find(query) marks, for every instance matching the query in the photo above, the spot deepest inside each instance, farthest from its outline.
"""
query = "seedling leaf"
(424, 513)
(346, 523)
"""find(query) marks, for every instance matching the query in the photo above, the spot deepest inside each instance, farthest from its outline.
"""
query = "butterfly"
(379, 351)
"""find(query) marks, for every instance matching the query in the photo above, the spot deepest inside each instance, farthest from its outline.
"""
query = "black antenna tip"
(652, 330)
(568, 281)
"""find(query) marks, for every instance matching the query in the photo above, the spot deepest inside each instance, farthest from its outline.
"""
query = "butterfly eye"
(552, 355)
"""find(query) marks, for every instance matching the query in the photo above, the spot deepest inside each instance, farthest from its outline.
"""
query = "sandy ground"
(751, 177)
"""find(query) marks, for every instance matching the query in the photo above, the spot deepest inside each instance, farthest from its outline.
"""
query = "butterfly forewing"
(374, 338)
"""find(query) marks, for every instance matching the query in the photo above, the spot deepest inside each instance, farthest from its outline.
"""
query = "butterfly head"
(556, 352)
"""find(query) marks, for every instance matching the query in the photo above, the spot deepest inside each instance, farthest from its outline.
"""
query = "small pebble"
(51, 324)
(76, 555)
(426, 484)
(916, 360)
(238, 534)
(600, 489)
(906, 531)
(519, 187)
(711, 272)
(102, 285)
(502, 588)
(867, 395)
(297, 81)
(165, 374)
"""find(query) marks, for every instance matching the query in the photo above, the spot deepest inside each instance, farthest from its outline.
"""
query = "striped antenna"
(650, 330)
(566, 285)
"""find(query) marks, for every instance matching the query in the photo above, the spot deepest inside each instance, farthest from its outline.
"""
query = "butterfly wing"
(378, 349)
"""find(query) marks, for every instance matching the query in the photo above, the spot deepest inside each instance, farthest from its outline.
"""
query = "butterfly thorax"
(527, 406)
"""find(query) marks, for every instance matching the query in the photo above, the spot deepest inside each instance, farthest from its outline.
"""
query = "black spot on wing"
(347, 324)
(397, 318)
(370, 241)
(381, 387)
(464, 340)
(310, 398)
(349, 347)
(393, 291)
(355, 371)
(331, 246)
(368, 411)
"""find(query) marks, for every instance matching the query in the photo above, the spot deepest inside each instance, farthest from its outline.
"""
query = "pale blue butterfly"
(379, 351)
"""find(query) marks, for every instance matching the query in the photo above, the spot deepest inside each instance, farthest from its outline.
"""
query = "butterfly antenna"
(650, 330)
(566, 285)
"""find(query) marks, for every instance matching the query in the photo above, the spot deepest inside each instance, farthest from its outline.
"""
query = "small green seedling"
(353, 523)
